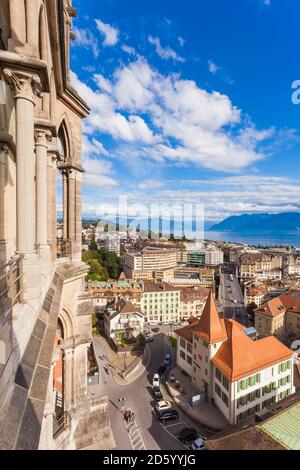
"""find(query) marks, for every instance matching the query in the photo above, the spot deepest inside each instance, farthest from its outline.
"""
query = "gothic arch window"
(63, 143)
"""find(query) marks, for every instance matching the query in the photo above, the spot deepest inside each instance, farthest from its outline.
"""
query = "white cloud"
(212, 67)
(181, 41)
(150, 184)
(110, 33)
(165, 53)
(129, 50)
(96, 173)
(167, 119)
(85, 38)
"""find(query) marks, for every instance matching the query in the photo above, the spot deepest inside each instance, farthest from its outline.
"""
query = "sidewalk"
(206, 414)
(114, 363)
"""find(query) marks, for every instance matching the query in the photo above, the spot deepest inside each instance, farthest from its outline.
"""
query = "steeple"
(209, 326)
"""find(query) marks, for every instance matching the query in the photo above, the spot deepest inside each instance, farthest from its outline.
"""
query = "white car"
(163, 405)
(199, 444)
(156, 380)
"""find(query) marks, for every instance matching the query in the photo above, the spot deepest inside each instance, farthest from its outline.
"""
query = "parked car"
(187, 436)
(155, 330)
(161, 369)
(163, 405)
(157, 394)
(199, 444)
(156, 380)
(167, 360)
(167, 415)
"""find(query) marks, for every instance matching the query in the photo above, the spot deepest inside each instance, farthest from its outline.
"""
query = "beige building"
(143, 265)
(45, 332)
(255, 292)
(240, 376)
(280, 316)
(192, 302)
(260, 266)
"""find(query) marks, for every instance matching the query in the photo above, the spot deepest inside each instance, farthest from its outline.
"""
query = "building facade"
(160, 302)
(279, 316)
(241, 376)
(45, 331)
(123, 320)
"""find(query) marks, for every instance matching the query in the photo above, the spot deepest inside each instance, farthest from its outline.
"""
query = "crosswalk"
(135, 435)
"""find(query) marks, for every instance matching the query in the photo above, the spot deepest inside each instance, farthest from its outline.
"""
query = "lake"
(256, 238)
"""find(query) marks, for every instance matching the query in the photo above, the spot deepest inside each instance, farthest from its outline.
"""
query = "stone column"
(42, 138)
(65, 179)
(3, 182)
(51, 205)
(26, 87)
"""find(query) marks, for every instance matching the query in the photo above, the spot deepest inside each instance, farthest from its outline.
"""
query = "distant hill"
(247, 223)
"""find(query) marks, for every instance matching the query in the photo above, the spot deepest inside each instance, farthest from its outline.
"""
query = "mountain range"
(263, 222)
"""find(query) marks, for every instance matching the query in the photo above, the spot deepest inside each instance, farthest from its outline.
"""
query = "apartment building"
(280, 316)
(255, 292)
(144, 264)
(192, 302)
(100, 293)
(260, 266)
(214, 257)
(195, 259)
(110, 241)
(160, 302)
(241, 376)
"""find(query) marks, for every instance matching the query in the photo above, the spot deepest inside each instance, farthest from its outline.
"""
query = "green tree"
(93, 244)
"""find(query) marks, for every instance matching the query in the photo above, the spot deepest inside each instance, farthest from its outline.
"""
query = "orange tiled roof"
(240, 356)
(209, 327)
(288, 301)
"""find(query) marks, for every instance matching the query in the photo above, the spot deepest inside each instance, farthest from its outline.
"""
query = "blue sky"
(190, 102)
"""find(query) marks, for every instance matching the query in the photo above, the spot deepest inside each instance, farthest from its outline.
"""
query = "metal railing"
(63, 248)
(62, 424)
(11, 280)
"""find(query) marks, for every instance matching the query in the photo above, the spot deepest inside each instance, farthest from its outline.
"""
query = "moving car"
(167, 415)
(161, 369)
(157, 394)
(167, 360)
(187, 436)
(199, 444)
(156, 380)
(163, 405)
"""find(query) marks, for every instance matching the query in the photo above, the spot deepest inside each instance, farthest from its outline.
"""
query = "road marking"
(174, 437)
(137, 442)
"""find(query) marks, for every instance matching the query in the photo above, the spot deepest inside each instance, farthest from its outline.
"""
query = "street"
(231, 298)
(147, 432)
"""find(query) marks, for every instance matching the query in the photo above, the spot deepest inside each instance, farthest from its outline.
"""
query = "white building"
(123, 319)
(160, 302)
(214, 257)
(240, 375)
(293, 270)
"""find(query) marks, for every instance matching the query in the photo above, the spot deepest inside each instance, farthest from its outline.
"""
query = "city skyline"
(188, 106)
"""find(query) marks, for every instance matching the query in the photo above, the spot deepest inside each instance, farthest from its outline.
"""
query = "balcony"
(63, 248)
(11, 281)
(62, 424)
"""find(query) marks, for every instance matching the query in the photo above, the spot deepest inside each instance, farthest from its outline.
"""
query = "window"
(225, 398)
(189, 360)
(182, 343)
(218, 375)
(218, 390)
(189, 347)
(225, 382)
(182, 355)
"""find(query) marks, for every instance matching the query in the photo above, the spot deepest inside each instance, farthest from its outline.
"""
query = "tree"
(250, 311)
(93, 244)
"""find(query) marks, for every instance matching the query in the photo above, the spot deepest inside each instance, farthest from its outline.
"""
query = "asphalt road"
(148, 433)
(230, 291)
